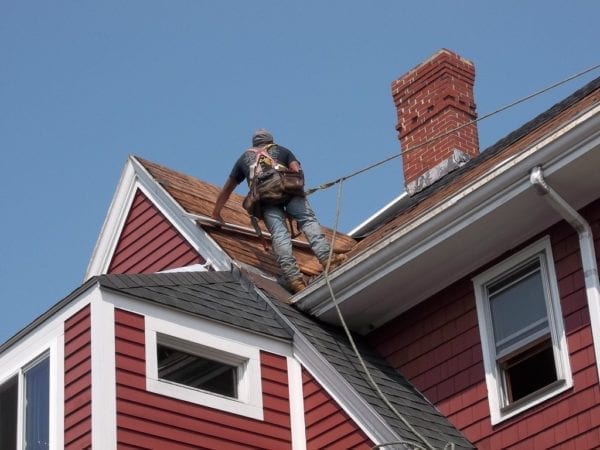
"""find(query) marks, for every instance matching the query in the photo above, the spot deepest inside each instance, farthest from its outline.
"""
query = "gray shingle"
(220, 296)
(333, 344)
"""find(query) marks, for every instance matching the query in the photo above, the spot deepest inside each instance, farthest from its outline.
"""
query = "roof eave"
(399, 252)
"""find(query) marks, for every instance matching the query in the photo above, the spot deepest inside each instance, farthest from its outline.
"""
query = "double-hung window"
(25, 407)
(522, 333)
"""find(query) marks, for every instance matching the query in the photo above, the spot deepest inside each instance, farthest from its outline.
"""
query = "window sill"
(531, 400)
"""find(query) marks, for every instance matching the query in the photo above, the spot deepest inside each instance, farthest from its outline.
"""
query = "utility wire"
(454, 130)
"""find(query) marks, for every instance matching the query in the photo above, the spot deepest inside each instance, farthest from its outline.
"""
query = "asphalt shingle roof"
(332, 343)
(218, 296)
(231, 298)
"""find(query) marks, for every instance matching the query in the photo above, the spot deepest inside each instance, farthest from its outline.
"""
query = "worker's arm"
(222, 198)
(295, 166)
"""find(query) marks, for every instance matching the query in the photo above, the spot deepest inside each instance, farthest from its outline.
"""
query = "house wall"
(78, 381)
(327, 425)
(436, 345)
(150, 420)
(149, 242)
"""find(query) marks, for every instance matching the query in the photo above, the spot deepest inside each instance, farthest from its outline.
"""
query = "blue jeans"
(275, 219)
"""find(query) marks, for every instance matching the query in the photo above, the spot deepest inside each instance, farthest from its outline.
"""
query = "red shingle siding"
(78, 381)
(151, 420)
(436, 345)
(327, 425)
(149, 243)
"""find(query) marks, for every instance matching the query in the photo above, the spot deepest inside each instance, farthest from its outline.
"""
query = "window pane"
(37, 406)
(197, 372)
(530, 371)
(518, 306)
(8, 413)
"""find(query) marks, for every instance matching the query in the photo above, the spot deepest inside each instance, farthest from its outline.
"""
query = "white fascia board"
(135, 177)
(342, 393)
(381, 214)
(500, 184)
(345, 396)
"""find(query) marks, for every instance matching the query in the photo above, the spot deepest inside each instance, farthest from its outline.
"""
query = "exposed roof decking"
(198, 197)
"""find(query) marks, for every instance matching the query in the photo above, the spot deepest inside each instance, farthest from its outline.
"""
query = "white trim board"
(134, 177)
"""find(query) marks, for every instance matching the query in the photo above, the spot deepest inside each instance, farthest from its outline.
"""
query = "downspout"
(588, 255)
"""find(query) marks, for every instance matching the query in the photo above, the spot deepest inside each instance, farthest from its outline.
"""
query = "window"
(35, 407)
(194, 370)
(523, 341)
(9, 395)
(203, 365)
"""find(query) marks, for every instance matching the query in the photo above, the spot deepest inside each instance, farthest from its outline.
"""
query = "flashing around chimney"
(458, 159)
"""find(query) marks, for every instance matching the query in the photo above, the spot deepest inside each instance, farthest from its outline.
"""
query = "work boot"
(296, 285)
(336, 260)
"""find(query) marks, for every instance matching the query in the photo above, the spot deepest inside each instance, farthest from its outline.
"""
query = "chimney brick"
(432, 99)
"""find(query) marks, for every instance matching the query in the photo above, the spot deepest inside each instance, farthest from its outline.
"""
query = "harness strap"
(253, 219)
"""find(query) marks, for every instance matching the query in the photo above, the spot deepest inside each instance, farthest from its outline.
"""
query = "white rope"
(349, 334)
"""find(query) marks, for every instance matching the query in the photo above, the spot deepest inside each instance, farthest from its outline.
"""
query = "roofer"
(259, 165)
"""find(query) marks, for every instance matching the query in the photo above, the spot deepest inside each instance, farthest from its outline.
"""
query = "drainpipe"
(588, 255)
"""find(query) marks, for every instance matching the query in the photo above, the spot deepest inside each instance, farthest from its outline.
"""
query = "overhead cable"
(454, 130)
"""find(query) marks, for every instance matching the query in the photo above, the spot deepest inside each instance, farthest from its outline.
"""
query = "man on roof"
(262, 158)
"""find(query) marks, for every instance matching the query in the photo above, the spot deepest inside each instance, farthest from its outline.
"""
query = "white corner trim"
(296, 394)
(104, 393)
(134, 177)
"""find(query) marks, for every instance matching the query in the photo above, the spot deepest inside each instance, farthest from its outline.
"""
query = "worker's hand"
(217, 217)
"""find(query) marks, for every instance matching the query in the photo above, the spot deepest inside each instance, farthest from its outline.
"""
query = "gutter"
(500, 183)
(586, 246)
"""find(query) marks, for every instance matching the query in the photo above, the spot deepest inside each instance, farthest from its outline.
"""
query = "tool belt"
(272, 188)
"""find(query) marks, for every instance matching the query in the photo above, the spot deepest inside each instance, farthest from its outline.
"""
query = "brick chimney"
(432, 99)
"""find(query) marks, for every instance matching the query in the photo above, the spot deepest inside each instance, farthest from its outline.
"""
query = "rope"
(349, 334)
(454, 130)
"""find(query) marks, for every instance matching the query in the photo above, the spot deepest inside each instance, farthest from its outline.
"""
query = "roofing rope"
(440, 136)
(351, 339)
(340, 180)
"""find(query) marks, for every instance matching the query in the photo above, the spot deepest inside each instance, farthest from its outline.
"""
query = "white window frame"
(20, 375)
(226, 349)
(499, 410)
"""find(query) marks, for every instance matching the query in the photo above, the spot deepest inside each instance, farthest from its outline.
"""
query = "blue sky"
(185, 82)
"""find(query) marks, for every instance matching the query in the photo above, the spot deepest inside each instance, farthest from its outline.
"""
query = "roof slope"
(218, 296)
(230, 298)
(510, 145)
(334, 346)
(198, 197)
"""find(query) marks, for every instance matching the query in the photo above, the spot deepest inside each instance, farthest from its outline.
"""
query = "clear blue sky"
(83, 84)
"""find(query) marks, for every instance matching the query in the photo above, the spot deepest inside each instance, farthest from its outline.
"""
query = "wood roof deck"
(198, 197)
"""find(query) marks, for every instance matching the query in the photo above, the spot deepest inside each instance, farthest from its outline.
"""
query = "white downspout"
(588, 255)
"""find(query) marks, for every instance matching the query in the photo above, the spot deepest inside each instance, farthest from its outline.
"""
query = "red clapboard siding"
(327, 425)
(78, 381)
(149, 242)
(436, 346)
(150, 420)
